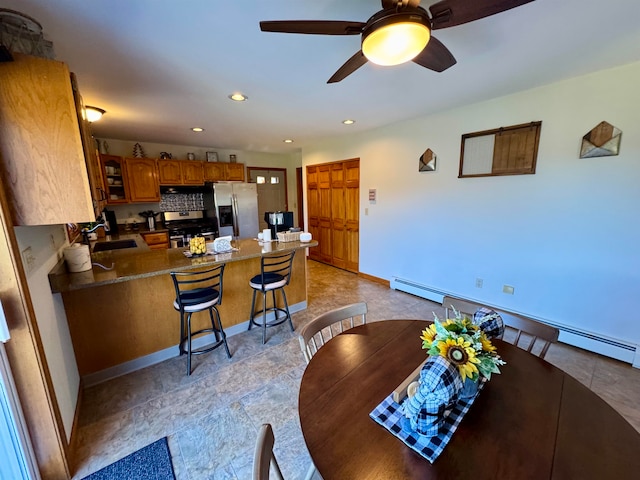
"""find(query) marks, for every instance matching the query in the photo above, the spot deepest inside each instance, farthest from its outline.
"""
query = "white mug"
(260, 236)
(266, 234)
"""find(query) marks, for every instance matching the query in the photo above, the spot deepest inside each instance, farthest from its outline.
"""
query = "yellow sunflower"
(428, 334)
(461, 354)
(487, 346)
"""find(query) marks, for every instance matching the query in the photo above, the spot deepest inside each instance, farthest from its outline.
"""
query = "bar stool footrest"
(201, 350)
(270, 323)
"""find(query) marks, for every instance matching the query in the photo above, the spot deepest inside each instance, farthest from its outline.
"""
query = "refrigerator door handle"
(236, 226)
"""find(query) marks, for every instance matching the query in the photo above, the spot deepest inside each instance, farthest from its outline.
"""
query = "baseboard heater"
(610, 347)
(417, 289)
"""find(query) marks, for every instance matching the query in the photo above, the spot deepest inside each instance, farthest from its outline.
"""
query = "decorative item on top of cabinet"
(40, 144)
(212, 156)
(115, 179)
(142, 180)
(138, 151)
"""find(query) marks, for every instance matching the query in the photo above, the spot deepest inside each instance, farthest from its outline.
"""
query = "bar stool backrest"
(198, 281)
(276, 264)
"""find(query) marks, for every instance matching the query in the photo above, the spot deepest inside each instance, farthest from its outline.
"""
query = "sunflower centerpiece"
(461, 356)
(463, 343)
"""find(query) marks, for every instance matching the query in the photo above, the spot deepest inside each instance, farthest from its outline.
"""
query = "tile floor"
(211, 418)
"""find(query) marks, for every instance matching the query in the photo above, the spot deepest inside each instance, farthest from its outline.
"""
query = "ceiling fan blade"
(349, 67)
(435, 56)
(449, 13)
(316, 27)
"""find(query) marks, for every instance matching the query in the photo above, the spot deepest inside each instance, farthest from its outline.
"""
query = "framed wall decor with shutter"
(501, 151)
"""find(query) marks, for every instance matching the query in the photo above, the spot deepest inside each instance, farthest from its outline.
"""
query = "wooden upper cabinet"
(94, 170)
(192, 173)
(235, 171)
(213, 171)
(221, 172)
(169, 172)
(180, 172)
(142, 176)
(114, 172)
(42, 161)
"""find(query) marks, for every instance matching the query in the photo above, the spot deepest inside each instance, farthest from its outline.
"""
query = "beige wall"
(566, 238)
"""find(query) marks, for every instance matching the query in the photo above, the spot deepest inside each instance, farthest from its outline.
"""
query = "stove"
(183, 226)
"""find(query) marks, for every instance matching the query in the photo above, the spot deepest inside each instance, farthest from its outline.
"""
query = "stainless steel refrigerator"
(236, 206)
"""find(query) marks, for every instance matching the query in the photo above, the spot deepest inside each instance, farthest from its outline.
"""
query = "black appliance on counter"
(183, 226)
(278, 222)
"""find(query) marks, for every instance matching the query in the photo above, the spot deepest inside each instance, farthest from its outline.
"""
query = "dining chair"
(324, 327)
(264, 460)
(197, 292)
(275, 274)
(538, 333)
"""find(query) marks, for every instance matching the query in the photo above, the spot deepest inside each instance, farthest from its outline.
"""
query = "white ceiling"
(160, 67)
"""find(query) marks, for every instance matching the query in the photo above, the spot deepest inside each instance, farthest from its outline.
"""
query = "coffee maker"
(278, 222)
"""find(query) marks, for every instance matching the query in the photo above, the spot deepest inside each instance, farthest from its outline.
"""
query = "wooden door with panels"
(333, 203)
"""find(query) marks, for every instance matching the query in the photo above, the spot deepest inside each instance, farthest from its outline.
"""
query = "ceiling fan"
(400, 32)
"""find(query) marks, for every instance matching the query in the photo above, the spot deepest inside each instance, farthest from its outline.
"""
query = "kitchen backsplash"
(181, 202)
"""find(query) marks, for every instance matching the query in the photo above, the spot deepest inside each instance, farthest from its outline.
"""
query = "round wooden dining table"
(533, 421)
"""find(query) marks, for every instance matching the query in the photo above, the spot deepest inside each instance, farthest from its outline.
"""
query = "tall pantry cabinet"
(333, 205)
(44, 181)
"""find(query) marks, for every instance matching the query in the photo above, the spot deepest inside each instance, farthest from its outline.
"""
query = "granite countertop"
(140, 262)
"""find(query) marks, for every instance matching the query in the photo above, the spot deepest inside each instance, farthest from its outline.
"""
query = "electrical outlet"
(508, 289)
(366, 211)
(28, 260)
(479, 282)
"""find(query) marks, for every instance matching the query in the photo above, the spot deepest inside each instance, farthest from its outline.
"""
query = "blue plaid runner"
(390, 415)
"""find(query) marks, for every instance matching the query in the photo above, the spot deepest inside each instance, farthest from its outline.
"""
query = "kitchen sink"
(114, 245)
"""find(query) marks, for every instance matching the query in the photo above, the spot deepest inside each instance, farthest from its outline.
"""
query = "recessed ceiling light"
(197, 129)
(348, 121)
(238, 97)
(288, 140)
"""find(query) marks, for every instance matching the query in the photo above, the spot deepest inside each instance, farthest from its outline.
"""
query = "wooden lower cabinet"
(333, 193)
(135, 318)
(156, 240)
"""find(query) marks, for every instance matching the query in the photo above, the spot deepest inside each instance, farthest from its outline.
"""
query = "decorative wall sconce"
(427, 161)
(602, 141)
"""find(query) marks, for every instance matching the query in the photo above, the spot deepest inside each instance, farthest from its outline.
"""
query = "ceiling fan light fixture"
(395, 39)
(93, 114)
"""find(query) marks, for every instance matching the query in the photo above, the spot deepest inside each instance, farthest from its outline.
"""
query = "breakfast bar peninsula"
(123, 318)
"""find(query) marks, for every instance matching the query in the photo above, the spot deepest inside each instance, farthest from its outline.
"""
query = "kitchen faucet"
(86, 231)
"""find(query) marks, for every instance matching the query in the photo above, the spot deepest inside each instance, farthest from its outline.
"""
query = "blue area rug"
(152, 462)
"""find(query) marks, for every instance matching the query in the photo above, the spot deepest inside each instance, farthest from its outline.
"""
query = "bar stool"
(275, 274)
(196, 292)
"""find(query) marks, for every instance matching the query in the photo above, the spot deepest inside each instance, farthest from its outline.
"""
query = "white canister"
(305, 237)
(78, 257)
(266, 235)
